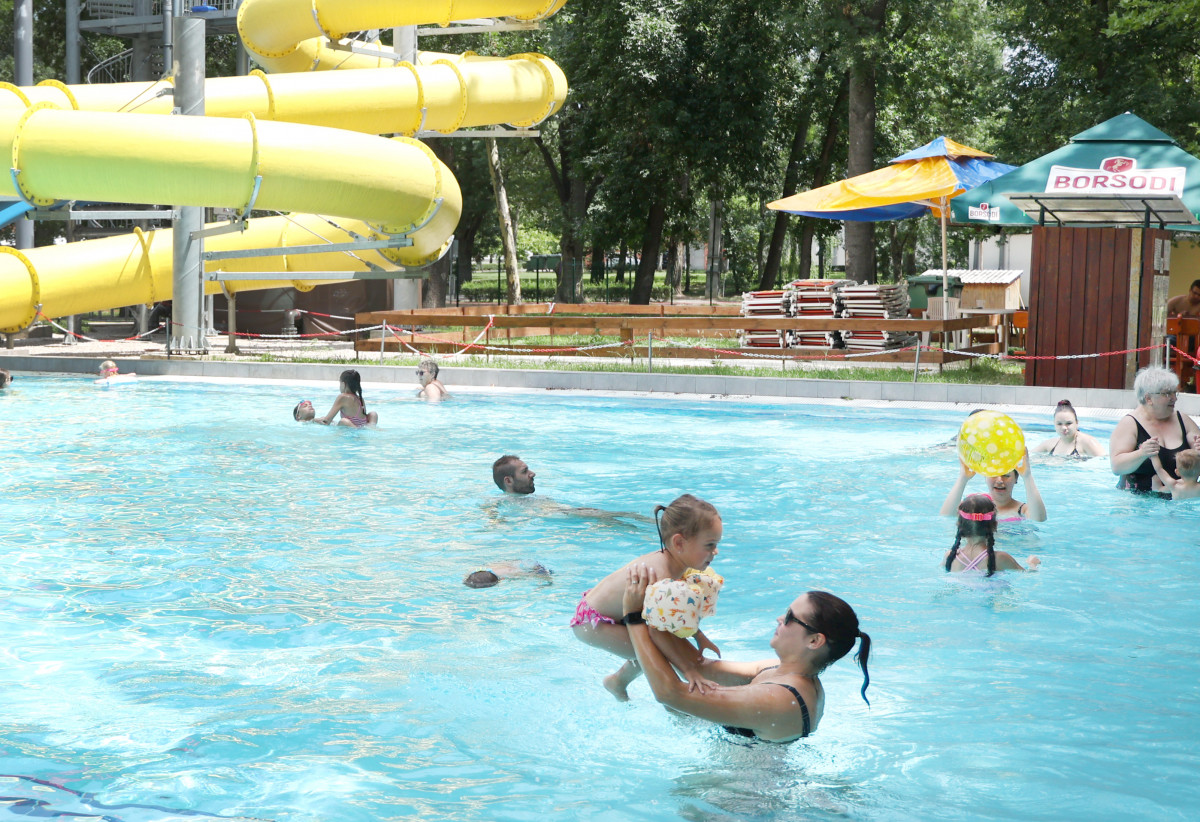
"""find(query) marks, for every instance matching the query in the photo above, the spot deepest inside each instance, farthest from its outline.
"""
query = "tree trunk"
(675, 252)
(643, 281)
(437, 284)
(596, 270)
(804, 257)
(791, 178)
(466, 234)
(570, 270)
(860, 236)
(770, 275)
(508, 238)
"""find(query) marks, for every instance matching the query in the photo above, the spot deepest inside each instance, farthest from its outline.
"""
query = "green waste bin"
(924, 287)
(542, 262)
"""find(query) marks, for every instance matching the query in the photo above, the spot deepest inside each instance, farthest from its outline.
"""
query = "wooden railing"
(634, 325)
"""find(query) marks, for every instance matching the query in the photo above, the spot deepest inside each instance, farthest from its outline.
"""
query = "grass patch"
(981, 372)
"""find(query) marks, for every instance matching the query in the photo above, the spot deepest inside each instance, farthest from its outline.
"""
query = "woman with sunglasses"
(777, 700)
(1154, 428)
(431, 386)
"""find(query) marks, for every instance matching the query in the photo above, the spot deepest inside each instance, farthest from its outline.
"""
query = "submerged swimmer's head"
(108, 368)
(304, 412)
(481, 579)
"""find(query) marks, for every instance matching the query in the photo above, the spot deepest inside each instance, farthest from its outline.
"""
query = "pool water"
(209, 609)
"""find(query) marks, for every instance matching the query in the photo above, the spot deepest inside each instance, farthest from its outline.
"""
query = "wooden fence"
(427, 331)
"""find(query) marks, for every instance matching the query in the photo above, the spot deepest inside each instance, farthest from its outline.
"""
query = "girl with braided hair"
(975, 541)
(350, 404)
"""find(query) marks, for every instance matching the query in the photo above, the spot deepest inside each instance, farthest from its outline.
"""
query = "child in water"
(977, 527)
(688, 531)
(350, 404)
(110, 374)
(1001, 488)
(1187, 463)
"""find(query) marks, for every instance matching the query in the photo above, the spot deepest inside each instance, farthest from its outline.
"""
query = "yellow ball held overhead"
(990, 443)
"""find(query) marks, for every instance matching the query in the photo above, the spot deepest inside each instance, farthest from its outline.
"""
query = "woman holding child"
(777, 700)
(1153, 430)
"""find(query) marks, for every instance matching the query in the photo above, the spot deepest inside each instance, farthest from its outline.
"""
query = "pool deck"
(143, 358)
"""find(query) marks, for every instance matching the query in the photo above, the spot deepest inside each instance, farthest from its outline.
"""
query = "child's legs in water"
(615, 640)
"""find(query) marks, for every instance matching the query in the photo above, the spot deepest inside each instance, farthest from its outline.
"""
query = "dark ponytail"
(352, 381)
(833, 617)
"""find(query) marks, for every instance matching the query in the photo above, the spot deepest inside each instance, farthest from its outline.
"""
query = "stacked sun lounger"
(814, 298)
(875, 301)
(762, 304)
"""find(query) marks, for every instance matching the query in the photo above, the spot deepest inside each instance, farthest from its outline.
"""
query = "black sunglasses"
(789, 618)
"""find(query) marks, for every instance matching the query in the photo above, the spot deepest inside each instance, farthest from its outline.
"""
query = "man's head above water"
(512, 475)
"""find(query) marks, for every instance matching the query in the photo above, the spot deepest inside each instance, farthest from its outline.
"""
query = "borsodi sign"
(1116, 175)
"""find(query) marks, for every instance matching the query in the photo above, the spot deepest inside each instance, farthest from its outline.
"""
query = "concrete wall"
(685, 384)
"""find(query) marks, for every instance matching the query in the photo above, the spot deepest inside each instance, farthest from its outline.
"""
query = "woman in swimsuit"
(1070, 442)
(1154, 427)
(1001, 488)
(977, 527)
(776, 700)
(350, 404)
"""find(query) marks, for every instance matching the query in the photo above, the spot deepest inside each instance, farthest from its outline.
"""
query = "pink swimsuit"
(973, 564)
(586, 613)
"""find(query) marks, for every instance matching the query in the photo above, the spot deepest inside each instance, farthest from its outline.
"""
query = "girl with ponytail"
(975, 541)
(350, 404)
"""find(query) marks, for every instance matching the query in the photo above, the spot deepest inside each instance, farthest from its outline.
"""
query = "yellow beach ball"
(990, 443)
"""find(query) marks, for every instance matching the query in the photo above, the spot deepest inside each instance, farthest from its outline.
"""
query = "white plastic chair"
(958, 339)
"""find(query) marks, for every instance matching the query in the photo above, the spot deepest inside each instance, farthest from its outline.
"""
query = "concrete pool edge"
(703, 385)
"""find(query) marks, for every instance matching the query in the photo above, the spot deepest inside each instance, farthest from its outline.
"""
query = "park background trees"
(679, 109)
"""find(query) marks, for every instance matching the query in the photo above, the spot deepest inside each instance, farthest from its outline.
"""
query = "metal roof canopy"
(1143, 210)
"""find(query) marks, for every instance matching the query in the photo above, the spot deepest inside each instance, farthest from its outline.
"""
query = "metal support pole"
(23, 74)
(71, 65)
(404, 43)
(168, 39)
(187, 321)
(231, 346)
(917, 361)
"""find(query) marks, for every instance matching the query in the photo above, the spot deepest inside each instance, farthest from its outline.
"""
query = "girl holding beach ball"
(991, 444)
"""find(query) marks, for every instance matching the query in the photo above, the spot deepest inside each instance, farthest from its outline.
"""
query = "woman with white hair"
(1154, 427)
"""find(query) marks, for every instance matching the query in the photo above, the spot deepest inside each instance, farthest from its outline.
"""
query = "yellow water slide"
(298, 141)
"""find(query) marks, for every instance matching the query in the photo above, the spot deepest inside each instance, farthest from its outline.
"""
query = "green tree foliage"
(1071, 65)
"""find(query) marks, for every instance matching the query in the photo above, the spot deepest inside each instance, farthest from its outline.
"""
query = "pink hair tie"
(984, 517)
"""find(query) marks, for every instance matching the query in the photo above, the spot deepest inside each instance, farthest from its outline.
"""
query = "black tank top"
(1142, 477)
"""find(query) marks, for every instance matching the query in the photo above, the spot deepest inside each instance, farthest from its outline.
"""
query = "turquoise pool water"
(208, 608)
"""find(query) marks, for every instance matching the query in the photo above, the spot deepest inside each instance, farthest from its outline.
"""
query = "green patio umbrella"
(1122, 172)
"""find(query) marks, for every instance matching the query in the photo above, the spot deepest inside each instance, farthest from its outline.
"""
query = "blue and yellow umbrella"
(923, 180)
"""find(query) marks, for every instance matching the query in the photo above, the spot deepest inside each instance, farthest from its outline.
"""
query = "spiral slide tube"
(286, 142)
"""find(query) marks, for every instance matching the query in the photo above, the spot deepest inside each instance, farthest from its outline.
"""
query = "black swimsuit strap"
(803, 707)
(747, 732)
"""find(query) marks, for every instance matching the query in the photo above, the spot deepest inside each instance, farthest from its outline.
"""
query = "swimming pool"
(210, 608)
